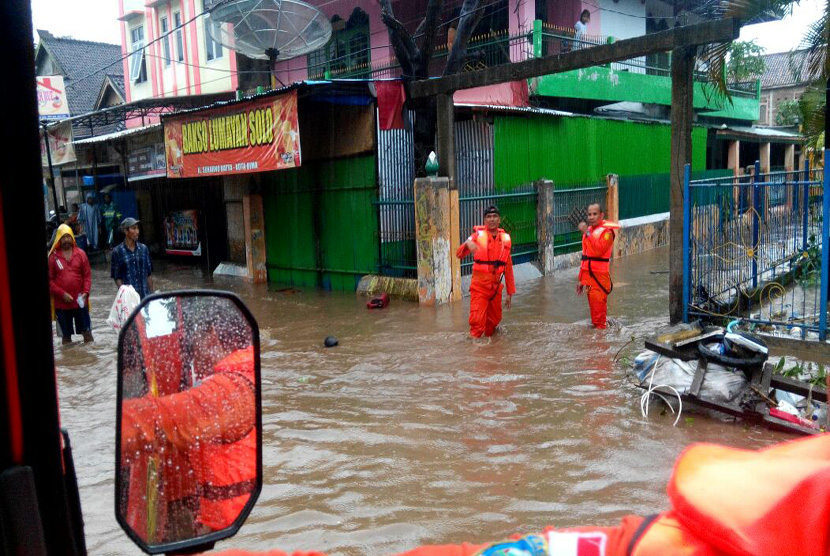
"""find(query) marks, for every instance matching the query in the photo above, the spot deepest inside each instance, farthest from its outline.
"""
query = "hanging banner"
(181, 233)
(256, 136)
(61, 148)
(51, 98)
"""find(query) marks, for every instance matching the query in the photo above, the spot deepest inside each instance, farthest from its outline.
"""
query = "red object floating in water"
(378, 302)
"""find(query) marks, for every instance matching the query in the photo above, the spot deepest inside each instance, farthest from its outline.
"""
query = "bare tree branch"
(428, 31)
(402, 41)
(470, 16)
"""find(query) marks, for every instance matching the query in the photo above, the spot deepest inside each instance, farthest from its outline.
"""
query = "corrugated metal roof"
(758, 133)
(524, 109)
(119, 134)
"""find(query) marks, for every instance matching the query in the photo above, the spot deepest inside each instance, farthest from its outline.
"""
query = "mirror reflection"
(187, 454)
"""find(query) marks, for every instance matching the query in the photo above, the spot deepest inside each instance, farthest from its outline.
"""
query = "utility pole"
(682, 96)
(51, 174)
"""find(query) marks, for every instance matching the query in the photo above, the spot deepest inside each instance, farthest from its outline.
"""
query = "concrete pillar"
(612, 198)
(255, 249)
(455, 241)
(734, 157)
(764, 157)
(544, 224)
(789, 158)
(789, 166)
(433, 231)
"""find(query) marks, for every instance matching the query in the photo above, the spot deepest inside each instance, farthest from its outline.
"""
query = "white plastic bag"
(126, 300)
(720, 384)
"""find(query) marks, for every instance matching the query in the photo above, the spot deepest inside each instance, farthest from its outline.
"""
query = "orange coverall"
(724, 502)
(491, 261)
(211, 426)
(594, 274)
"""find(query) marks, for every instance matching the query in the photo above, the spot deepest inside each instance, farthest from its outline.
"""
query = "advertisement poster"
(181, 233)
(51, 98)
(60, 144)
(146, 162)
(243, 138)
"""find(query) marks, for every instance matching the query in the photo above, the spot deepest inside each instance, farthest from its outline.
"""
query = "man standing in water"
(490, 247)
(89, 215)
(70, 279)
(594, 275)
(131, 264)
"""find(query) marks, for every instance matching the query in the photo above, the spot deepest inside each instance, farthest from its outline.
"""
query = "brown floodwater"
(408, 432)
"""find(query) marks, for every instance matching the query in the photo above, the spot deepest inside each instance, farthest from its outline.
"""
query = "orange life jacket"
(596, 255)
(227, 473)
(480, 261)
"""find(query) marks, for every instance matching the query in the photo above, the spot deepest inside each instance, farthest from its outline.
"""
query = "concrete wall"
(770, 99)
(636, 236)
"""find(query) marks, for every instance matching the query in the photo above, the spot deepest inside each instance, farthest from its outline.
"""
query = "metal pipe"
(51, 171)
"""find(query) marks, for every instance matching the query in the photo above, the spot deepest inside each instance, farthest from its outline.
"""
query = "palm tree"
(814, 102)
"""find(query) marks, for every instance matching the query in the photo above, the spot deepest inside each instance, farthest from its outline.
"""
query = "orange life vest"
(480, 261)
(227, 473)
(594, 257)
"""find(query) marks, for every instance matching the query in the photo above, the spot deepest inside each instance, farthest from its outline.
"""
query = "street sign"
(51, 97)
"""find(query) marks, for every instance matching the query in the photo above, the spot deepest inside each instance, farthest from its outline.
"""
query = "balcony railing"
(501, 47)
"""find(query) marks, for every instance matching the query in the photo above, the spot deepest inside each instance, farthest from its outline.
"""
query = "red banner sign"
(256, 136)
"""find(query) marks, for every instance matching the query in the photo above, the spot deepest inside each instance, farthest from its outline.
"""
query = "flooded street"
(409, 433)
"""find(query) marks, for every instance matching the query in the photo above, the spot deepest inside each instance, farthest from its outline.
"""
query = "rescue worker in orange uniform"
(211, 423)
(594, 276)
(724, 502)
(490, 247)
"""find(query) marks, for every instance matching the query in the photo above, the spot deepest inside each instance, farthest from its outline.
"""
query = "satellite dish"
(269, 29)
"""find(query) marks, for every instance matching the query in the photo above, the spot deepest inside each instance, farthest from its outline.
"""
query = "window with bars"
(138, 67)
(165, 40)
(347, 54)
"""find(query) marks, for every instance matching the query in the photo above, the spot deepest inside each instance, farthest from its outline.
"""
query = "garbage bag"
(720, 384)
(126, 300)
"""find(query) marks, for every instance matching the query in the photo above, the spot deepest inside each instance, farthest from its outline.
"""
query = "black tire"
(743, 363)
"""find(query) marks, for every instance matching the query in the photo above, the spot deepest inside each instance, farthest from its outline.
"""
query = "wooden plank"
(700, 374)
(806, 350)
(798, 387)
(720, 30)
(687, 353)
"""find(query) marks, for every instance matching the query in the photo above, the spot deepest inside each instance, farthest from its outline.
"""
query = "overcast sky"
(95, 20)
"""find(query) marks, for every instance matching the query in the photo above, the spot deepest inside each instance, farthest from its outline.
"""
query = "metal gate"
(754, 249)
(477, 191)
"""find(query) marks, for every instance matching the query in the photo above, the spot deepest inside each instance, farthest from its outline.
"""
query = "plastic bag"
(126, 300)
(720, 384)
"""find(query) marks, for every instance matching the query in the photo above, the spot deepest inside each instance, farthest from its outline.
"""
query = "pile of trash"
(731, 359)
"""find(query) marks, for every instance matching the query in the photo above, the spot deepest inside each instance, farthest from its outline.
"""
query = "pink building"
(168, 51)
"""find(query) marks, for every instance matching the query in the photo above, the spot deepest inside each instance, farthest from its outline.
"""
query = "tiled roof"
(78, 59)
(785, 69)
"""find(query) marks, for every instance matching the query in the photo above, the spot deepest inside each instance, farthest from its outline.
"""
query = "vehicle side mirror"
(188, 458)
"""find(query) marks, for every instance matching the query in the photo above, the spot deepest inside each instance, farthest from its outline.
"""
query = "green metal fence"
(321, 228)
(647, 194)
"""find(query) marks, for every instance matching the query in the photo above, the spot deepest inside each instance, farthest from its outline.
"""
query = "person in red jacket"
(208, 427)
(724, 502)
(490, 247)
(70, 280)
(594, 275)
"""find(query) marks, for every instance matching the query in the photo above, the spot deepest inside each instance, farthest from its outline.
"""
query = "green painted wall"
(601, 83)
(571, 150)
(321, 227)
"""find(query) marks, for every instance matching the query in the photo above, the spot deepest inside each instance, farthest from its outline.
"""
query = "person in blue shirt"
(131, 264)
